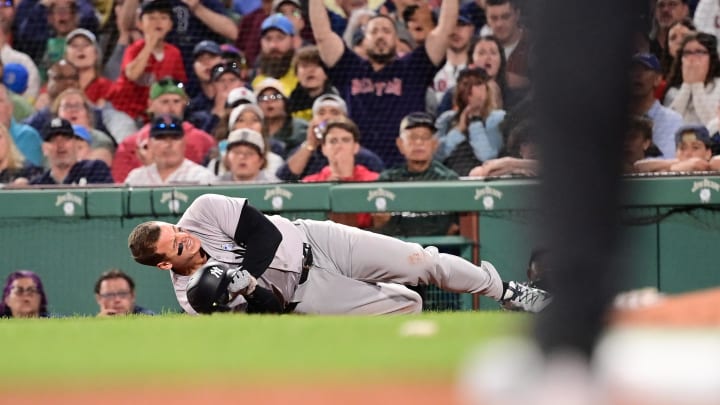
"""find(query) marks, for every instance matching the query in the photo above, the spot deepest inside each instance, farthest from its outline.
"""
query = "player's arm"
(436, 42)
(260, 237)
(330, 45)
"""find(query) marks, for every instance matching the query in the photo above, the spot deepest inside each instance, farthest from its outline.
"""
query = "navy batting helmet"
(207, 290)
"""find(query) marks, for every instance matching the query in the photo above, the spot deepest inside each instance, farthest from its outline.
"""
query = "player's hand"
(241, 283)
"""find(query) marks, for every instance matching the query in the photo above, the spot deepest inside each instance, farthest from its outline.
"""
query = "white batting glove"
(241, 283)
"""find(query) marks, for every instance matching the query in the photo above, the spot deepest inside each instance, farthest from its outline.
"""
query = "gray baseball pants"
(360, 272)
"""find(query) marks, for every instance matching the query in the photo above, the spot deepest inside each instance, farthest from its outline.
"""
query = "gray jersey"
(214, 219)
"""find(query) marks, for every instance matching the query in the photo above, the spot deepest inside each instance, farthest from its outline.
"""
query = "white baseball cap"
(240, 94)
(247, 136)
(270, 83)
(329, 99)
(235, 113)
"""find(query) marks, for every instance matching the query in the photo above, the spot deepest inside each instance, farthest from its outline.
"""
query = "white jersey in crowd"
(188, 172)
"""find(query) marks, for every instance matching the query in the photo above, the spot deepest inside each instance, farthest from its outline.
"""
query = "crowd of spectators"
(156, 91)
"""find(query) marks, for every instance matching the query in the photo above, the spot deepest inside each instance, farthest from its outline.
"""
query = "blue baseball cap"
(206, 46)
(464, 19)
(698, 132)
(15, 77)
(278, 22)
(82, 133)
(648, 60)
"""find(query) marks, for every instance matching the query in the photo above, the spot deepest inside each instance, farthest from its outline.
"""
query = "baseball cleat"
(520, 297)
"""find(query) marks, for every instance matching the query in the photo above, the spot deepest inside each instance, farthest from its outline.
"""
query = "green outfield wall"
(69, 236)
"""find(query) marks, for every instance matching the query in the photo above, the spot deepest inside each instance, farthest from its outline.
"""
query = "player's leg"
(328, 292)
(373, 257)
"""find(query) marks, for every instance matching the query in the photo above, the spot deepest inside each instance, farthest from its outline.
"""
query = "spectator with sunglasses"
(225, 77)
(24, 296)
(206, 55)
(272, 99)
(166, 97)
(169, 165)
(115, 295)
(147, 59)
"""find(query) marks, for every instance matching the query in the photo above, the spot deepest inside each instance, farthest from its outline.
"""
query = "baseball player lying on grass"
(226, 255)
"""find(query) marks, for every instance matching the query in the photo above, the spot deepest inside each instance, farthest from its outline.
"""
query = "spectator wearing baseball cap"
(307, 158)
(9, 55)
(312, 82)
(272, 99)
(293, 11)
(62, 146)
(693, 154)
(146, 59)
(14, 77)
(417, 141)
(83, 52)
(206, 54)
(277, 49)
(167, 96)
(246, 158)
(169, 165)
(224, 76)
(456, 59)
(645, 78)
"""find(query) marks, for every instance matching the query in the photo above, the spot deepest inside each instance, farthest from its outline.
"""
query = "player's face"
(690, 147)
(417, 144)
(115, 297)
(182, 249)
(24, 298)
(245, 162)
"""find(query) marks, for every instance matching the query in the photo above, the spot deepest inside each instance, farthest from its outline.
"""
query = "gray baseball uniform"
(353, 271)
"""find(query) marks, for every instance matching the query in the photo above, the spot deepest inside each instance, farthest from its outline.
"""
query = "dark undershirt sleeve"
(260, 237)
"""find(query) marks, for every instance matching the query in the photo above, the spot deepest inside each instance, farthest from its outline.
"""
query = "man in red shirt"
(146, 60)
(340, 142)
(166, 97)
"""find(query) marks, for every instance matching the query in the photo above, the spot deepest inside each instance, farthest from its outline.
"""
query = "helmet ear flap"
(207, 288)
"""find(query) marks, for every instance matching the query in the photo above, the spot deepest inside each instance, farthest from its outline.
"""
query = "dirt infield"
(416, 393)
(700, 308)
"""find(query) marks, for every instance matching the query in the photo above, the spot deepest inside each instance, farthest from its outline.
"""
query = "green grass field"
(89, 350)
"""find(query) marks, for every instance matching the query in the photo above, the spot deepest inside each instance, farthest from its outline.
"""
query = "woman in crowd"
(82, 51)
(470, 135)
(23, 296)
(695, 92)
(487, 53)
(73, 106)
(676, 34)
(13, 166)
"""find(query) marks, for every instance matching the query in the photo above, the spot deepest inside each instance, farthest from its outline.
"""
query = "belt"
(306, 263)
